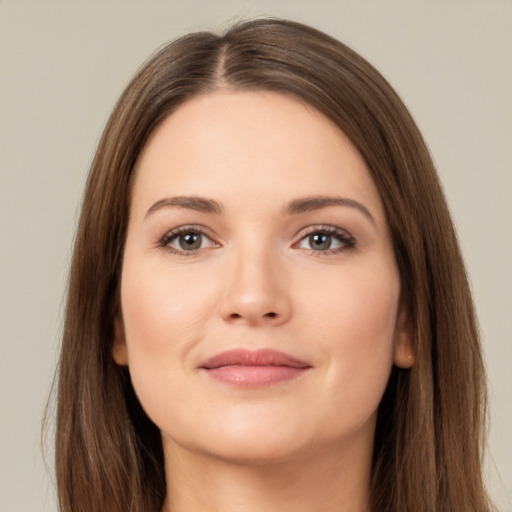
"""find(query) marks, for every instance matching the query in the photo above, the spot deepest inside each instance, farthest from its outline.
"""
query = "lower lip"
(255, 376)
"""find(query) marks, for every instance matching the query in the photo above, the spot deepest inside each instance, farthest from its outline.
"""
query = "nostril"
(271, 314)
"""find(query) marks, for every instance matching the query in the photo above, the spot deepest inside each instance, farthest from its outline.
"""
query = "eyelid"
(172, 234)
(342, 234)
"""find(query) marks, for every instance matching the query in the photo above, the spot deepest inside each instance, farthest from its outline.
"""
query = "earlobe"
(404, 355)
(119, 348)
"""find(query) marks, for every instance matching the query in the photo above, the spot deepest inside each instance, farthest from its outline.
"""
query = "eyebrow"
(308, 204)
(199, 204)
(295, 207)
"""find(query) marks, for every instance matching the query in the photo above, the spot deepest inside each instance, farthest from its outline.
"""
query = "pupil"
(320, 241)
(190, 241)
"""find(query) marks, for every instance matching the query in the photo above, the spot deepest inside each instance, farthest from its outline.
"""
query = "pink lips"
(254, 368)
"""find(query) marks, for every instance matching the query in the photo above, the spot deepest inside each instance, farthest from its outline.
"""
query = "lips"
(253, 368)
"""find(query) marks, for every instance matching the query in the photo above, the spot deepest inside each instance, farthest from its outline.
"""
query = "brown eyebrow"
(308, 204)
(295, 207)
(191, 202)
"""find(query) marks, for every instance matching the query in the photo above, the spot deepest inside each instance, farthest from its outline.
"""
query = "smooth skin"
(255, 223)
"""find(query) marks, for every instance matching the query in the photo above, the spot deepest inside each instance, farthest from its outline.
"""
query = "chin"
(262, 453)
(244, 443)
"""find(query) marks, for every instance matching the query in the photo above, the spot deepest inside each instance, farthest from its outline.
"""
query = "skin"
(258, 280)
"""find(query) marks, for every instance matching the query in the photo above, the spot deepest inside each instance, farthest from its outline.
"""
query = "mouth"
(254, 368)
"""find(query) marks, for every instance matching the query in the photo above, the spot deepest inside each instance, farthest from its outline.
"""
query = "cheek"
(355, 303)
(162, 308)
(164, 316)
(356, 331)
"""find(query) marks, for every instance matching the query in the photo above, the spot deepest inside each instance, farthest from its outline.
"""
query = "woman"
(267, 306)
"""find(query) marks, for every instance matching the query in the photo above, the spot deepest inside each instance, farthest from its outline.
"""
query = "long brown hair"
(427, 455)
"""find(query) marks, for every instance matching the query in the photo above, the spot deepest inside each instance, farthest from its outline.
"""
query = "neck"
(319, 482)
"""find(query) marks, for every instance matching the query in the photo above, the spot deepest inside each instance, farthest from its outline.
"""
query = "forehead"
(233, 145)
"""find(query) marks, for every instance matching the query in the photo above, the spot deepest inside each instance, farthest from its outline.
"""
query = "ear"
(119, 348)
(404, 354)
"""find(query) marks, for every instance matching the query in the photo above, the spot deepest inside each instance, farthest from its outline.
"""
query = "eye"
(187, 239)
(327, 239)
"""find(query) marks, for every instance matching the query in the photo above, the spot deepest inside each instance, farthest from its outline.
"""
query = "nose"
(256, 292)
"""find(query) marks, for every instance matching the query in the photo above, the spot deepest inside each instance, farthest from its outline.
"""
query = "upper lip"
(245, 357)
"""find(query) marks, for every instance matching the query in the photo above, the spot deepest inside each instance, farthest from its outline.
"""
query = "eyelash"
(348, 242)
(174, 234)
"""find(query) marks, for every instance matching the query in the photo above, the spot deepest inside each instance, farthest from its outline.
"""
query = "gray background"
(62, 66)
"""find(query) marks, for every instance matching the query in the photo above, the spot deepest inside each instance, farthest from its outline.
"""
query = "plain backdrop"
(63, 65)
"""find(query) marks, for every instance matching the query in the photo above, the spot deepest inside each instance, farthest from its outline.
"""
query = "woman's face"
(260, 293)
